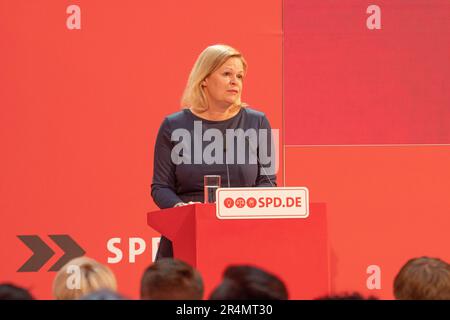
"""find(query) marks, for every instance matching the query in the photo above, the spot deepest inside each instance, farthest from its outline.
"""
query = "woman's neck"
(218, 113)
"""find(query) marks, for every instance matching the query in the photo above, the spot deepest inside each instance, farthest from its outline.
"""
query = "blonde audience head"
(80, 277)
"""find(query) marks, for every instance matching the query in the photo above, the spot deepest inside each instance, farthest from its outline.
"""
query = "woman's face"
(223, 87)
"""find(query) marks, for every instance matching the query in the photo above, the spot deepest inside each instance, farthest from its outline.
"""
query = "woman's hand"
(179, 204)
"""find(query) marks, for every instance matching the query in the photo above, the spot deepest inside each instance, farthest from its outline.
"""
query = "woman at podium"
(215, 133)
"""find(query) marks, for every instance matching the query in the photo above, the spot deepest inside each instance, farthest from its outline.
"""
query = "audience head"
(244, 282)
(80, 277)
(423, 279)
(346, 296)
(103, 294)
(171, 279)
(9, 291)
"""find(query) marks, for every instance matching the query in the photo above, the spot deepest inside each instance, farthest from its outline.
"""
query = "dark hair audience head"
(249, 283)
(9, 291)
(103, 294)
(171, 279)
(423, 279)
(346, 296)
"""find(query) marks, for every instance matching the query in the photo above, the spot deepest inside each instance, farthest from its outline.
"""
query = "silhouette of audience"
(171, 279)
(346, 296)
(103, 294)
(243, 282)
(82, 276)
(9, 291)
(423, 278)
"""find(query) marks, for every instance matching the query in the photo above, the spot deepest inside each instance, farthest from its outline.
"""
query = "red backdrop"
(367, 130)
(80, 110)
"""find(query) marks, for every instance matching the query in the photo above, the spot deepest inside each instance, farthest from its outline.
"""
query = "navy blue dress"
(178, 181)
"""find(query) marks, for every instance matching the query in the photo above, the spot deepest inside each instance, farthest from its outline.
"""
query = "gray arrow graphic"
(41, 253)
(69, 246)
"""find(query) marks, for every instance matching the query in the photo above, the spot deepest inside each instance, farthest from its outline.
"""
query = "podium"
(296, 250)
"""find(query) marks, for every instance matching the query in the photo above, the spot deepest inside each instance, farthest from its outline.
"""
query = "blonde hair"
(211, 59)
(93, 277)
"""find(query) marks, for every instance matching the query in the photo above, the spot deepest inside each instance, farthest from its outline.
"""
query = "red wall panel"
(347, 84)
(80, 110)
(385, 205)
(348, 88)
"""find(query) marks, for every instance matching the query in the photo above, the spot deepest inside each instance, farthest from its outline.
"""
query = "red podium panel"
(296, 250)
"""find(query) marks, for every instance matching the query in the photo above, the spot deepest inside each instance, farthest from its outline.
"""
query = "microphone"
(225, 156)
(259, 162)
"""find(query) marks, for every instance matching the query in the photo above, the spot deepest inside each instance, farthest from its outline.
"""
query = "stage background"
(367, 129)
(364, 119)
(80, 110)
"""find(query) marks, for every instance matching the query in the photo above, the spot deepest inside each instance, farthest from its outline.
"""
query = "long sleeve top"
(179, 139)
